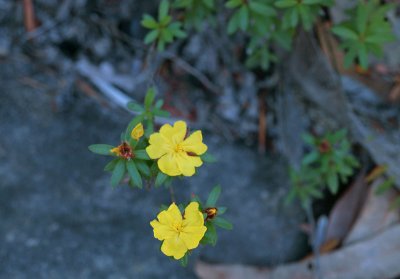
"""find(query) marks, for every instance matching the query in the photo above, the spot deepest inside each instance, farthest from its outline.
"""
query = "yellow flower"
(137, 132)
(177, 155)
(179, 234)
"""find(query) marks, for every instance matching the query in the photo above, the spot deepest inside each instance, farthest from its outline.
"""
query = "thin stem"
(172, 194)
(315, 248)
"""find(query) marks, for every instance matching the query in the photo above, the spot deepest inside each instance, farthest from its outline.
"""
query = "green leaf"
(133, 106)
(118, 172)
(143, 168)
(306, 17)
(208, 158)
(223, 223)
(160, 179)
(363, 56)
(333, 183)
(161, 113)
(141, 154)
(163, 10)
(151, 36)
(344, 32)
(134, 173)
(233, 23)
(262, 9)
(233, 4)
(159, 104)
(210, 237)
(213, 196)
(111, 165)
(149, 99)
(101, 149)
(312, 2)
(361, 18)
(310, 158)
(285, 3)
(244, 17)
(184, 260)
(221, 210)
(149, 22)
(309, 139)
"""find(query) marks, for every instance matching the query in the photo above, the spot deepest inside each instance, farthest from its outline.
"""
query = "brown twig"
(29, 16)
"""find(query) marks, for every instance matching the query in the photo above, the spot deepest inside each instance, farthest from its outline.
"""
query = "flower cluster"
(159, 156)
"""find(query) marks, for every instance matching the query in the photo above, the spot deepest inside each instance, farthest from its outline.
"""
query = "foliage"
(271, 24)
(328, 163)
(365, 32)
(164, 30)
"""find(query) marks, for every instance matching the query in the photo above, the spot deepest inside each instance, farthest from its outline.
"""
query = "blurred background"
(67, 70)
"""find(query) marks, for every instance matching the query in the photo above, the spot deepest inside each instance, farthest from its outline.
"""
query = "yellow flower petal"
(174, 134)
(162, 231)
(174, 247)
(187, 164)
(191, 236)
(174, 212)
(193, 216)
(137, 132)
(194, 143)
(158, 146)
(168, 165)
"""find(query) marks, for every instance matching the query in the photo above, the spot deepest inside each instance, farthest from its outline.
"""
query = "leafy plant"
(365, 32)
(301, 11)
(195, 11)
(164, 30)
(326, 165)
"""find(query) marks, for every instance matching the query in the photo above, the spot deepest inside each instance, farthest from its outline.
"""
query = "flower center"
(178, 148)
(177, 226)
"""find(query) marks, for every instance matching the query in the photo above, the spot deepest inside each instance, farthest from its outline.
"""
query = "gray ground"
(59, 217)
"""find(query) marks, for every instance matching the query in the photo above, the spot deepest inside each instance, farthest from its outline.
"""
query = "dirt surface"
(60, 218)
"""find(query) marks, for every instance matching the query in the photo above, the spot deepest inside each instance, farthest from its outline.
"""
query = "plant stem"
(172, 194)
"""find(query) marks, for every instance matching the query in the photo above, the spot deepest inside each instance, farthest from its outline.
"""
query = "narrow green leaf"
(101, 149)
(344, 32)
(151, 36)
(160, 179)
(133, 106)
(262, 9)
(310, 158)
(233, 4)
(361, 18)
(143, 168)
(163, 9)
(213, 196)
(221, 210)
(161, 113)
(111, 165)
(149, 22)
(285, 3)
(223, 223)
(210, 237)
(244, 17)
(333, 183)
(184, 260)
(363, 56)
(134, 173)
(118, 173)
(141, 154)
(149, 99)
